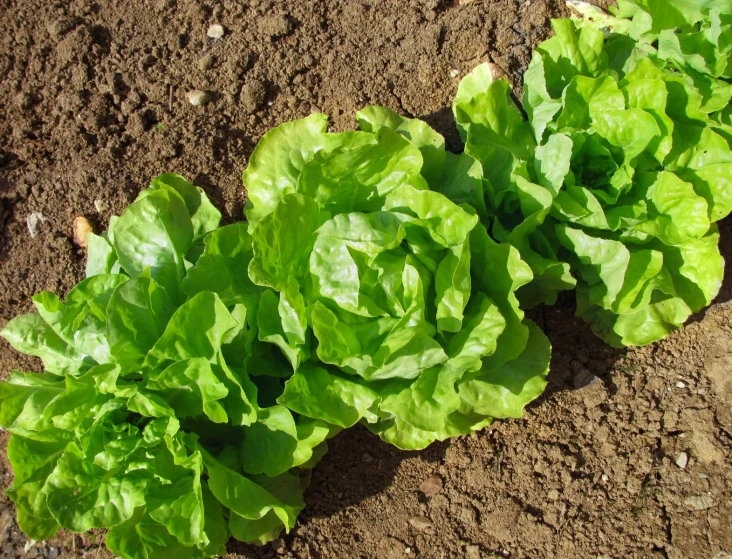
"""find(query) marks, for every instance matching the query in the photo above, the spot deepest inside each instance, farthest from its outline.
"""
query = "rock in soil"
(216, 31)
(198, 97)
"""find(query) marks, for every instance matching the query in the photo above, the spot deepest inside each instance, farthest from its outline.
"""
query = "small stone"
(216, 31)
(680, 385)
(99, 205)
(699, 502)
(584, 379)
(682, 460)
(367, 458)
(252, 95)
(33, 222)
(605, 477)
(431, 486)
(28, 545)
(198, 97)
(82, 227)
(454, 72)
(553, 495)
(421, 522)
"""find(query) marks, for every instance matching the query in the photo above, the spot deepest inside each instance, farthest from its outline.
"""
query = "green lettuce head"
(614, 181)
(693, 39)
(147, 420)
(391, 303)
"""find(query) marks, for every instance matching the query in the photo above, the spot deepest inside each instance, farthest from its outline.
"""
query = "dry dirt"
(93, 96)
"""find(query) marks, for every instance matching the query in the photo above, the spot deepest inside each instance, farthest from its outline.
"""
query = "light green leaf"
(222, 268)
(419, 133)
(155, 232)
(32, 462)
(270, 443)
(322, 394)
(276, 162)
(81, 496)
(137, 315)
(32, 335)
(204, 216)
(505, 391)
(141, 537)
(100, 255)
(191, 388)
(198, 328)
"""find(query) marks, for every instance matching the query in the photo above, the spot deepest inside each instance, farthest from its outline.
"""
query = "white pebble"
(605, 477)
(198, 97)
(28, 545)
(454, 72)
(33, 221)
(682, 460)
(216, 31)
(99, 205)
(680, 385)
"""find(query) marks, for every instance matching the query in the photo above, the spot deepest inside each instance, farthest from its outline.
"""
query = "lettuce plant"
(151, 418)
(615, 180)
(691, 37)
(391, 302)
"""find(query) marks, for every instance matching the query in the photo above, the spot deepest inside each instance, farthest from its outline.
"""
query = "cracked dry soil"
(94, 100)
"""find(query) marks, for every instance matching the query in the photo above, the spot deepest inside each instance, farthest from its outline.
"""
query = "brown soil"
(94, 100)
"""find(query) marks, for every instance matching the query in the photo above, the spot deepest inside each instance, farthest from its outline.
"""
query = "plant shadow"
(579, 357)
(358, 465)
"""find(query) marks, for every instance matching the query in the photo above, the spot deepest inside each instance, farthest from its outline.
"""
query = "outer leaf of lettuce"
(80, 499)
(277, 160)
(419, 133)
(32, 335)
(155, 232)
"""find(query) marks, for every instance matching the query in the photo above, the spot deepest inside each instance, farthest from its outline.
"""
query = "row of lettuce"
(193, 379)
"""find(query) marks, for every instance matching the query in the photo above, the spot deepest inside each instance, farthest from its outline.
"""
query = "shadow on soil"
(358, 465)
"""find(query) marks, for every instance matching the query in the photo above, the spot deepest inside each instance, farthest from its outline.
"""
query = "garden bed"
(95, 99)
